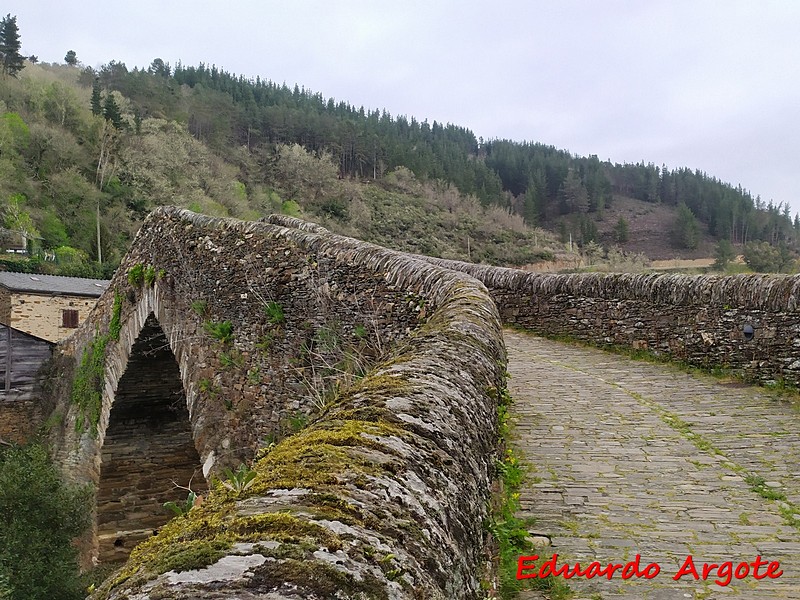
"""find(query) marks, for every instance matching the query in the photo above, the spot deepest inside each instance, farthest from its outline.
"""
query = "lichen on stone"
(384, 493)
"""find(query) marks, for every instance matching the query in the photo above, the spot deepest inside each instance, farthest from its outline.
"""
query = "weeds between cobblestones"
(789, 510)
(779, 387)
(511, 532)
(717, 482)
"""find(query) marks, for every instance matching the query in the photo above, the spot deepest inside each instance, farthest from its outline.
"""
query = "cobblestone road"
(633, 458)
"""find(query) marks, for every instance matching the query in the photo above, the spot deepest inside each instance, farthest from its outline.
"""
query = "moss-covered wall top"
(384, 493)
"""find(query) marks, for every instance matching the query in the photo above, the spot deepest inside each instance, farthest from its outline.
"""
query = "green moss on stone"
(315, 458)
(87, 385)
(192, 554)
(280, 527)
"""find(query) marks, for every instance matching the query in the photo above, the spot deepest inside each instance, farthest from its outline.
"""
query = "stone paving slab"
(634, 458)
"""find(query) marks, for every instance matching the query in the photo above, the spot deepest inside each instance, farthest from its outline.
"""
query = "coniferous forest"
(79, 145)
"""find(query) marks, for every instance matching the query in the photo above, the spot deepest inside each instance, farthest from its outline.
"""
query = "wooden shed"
(21, 357)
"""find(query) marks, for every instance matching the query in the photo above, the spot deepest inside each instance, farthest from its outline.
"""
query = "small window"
(69, 318)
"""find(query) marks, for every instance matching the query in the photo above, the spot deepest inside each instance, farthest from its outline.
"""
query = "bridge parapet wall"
(384, 495)
(697, 319)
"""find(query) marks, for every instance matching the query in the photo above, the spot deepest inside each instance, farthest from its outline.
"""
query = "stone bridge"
(362, 385)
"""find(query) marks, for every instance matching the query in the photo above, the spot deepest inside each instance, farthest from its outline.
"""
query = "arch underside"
(148, 449)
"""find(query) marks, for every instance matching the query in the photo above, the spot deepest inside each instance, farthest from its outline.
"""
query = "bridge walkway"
(629, 457)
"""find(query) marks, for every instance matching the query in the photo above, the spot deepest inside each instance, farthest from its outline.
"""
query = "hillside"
(77, 143)
(649, 230)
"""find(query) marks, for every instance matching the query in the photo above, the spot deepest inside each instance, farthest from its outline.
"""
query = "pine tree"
(621, 231)
(686, 230)
(111, 111)
(724, 254)
(531, 206)
(97, 106)
(574, 197)
(71, 58)
(13, 61)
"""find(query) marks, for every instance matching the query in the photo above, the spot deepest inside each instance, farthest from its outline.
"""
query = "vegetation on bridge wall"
(386, 491)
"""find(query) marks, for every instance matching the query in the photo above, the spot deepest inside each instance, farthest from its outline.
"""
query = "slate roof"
(52, 284)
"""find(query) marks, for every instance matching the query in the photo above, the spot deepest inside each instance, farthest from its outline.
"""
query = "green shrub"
(41, 517)
(136, 275)
(150, 275)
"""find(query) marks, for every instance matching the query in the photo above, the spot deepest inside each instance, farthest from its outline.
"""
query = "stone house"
(47, 306)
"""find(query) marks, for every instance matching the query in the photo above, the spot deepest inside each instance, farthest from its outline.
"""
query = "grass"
(265, 342)
(254, 375)
(232, 359)
(209, 387)
(221, 331)
(274, 312)
(756, 482)
(200, 307)
(510, 532)
(759, 486)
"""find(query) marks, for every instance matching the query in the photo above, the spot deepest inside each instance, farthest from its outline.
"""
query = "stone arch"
(147, 448)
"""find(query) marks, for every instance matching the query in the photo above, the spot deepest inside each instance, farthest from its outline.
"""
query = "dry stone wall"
(207, 273)
(702, 320)
(384, 494)
(20, 416)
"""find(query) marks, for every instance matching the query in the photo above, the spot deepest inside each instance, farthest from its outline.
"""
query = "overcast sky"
(709, 85)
